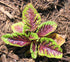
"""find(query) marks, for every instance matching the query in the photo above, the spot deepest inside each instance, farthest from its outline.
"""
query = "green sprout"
(36, 34)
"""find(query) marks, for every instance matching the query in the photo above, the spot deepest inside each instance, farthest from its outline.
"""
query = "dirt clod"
(14, 56)
(4, 58)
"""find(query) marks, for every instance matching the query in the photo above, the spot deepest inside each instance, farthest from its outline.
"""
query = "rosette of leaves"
(34, 33)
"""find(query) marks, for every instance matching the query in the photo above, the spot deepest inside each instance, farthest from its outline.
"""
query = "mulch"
(11, 12)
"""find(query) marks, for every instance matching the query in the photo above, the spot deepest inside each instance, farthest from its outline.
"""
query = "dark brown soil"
(11, 12)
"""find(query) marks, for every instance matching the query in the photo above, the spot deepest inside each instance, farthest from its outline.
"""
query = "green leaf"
(58, 38)
(31, 17)
(49, 48)
(16, 39)
(33, 36)
(46, 28)
(18, 27)
(33, 50)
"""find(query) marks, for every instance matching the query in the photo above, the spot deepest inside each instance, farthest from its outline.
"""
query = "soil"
(11, 12)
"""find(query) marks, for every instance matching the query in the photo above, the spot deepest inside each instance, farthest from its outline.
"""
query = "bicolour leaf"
(33, 50)
(31, 17)
(33, 36)
(46, 28)
(49, 48)
(58, 38)
(16, 39)
(18, 27)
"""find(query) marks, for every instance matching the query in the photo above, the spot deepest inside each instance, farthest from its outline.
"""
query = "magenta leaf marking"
(19, 40)
(49, 49)
(16, 39)
(33, 50)
(45, 30)
(33, 47)
(18, 27)
(31, 17)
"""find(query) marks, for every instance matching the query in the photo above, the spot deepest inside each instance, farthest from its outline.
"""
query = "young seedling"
(36, 34)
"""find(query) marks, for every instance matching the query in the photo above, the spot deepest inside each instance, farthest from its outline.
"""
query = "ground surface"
(11, 12)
